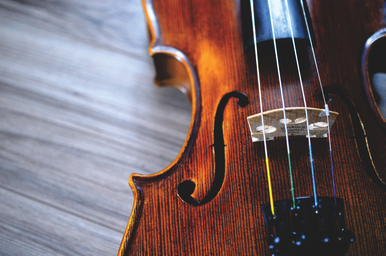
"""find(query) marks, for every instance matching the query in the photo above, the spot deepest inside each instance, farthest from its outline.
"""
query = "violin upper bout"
(173, 67)
(175, 70)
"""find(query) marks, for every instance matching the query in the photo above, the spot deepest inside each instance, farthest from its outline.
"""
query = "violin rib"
(180, 74)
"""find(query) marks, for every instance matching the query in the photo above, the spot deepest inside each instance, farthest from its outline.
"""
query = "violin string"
(283, 103)
(261, 110)
(324, 98)
(304, 102)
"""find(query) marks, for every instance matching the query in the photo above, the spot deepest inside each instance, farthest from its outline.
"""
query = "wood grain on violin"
(209, 200)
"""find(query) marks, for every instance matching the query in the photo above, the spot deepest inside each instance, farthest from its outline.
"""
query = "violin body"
(208, 201)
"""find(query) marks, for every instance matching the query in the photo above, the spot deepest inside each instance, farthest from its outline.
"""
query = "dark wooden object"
(208, 37)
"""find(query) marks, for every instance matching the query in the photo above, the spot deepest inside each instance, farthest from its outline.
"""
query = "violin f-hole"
(360, 137)
(186, 188)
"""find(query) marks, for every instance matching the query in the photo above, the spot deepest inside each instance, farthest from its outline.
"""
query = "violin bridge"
(274, 123)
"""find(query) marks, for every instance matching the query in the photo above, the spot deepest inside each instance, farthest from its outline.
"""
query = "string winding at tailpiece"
(282, 101)
(299, 226)
(304, 102)
(261, 109)
(323, 96)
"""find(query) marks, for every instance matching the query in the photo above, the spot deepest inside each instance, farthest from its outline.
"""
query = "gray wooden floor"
(78, 114)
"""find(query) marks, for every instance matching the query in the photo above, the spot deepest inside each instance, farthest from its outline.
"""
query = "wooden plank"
(79, 113)
(45, 230)
(116, 25)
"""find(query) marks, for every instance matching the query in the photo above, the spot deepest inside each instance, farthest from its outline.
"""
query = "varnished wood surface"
(231, 223)
(79, 113)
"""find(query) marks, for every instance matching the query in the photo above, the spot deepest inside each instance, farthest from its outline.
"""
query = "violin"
(286, 150)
